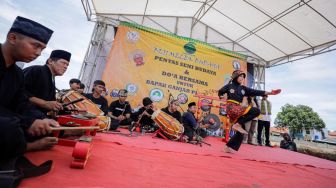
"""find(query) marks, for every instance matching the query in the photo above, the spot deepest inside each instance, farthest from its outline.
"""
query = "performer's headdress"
(237, 73)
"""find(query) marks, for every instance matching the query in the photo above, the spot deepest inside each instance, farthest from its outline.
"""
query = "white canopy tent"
(269, 32)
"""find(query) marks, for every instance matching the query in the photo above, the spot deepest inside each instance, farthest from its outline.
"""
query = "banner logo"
(131, 88)
(182, 98)
(114, 93)
(133, 36)
(190, 48)
(156, 95)
(236, 64)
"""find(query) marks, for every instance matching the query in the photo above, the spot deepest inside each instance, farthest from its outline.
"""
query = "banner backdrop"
(156, 64)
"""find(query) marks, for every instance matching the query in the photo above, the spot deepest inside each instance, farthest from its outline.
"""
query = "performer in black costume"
(237, 113)
(18, 117)
(40, 81)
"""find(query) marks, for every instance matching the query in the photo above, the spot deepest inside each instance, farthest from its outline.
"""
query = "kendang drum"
(104, 123)
(170, 127)
(85, 104)
(92, 110)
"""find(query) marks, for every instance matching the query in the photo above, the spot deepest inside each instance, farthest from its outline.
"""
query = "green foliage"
(298, 117)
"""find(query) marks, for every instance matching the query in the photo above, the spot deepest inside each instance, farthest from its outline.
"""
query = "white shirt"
(266, 116)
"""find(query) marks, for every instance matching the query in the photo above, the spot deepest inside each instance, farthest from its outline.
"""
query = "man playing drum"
(25, 42)
(40, 81)
(171, 110)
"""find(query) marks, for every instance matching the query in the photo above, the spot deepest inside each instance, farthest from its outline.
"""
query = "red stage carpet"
(122, 161)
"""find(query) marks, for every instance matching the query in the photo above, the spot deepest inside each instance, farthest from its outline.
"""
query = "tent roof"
(268, 31)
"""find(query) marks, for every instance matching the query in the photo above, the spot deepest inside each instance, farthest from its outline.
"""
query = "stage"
(119, 160)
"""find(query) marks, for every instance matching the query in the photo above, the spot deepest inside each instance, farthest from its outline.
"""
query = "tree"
(298, 117)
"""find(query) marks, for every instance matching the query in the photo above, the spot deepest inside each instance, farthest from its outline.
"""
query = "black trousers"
(115, 123)
(12, 138)
(201, 132)
(236, 140)
(261, 125)
(189, 131)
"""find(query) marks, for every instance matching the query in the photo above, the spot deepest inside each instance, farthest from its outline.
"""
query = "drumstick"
(74, 128)
(76, 110)
(72, 102)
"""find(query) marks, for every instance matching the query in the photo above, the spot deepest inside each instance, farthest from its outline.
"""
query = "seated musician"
(81, 88)
(40, 81)
(171, 110)
(120, 111)
(74, 84)
(143, 116)
(192, 129)
(96, 97)
(18, 117)
(287, 143)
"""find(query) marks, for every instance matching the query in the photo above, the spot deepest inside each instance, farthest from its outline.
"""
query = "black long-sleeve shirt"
(118, 108)
(145, 120)
(237, 92)
(101, 102)
(39, 83)
(189, 120)
(13, 100)
(290, 145)
(176, 114)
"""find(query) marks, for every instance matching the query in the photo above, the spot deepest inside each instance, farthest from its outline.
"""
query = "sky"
(311, 81)
(72, 31)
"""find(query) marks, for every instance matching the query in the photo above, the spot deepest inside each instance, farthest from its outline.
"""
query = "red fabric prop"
(276, 91)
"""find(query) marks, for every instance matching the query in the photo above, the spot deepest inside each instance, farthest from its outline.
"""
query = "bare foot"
(238, 127)
(185, 138)
(228, 150)
(42, 144)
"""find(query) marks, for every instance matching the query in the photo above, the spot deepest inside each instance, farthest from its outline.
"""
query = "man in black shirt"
(25, 41)
(120, 111)
(40, 81)
(143, 116)
(171, 110)
(81, 88)
(75, 84)
(287, 143)
(96, 95)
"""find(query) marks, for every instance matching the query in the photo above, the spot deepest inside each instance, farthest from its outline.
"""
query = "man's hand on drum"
(53, 105)
(42, 127)
(204, 125)
(121, 117)
(146, 113)
(70, 107)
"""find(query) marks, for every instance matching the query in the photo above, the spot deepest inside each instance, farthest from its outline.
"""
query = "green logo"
(156, 95)
(190, 48)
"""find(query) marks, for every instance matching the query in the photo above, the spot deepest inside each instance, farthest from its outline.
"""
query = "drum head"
(89, 115)
(213, 121)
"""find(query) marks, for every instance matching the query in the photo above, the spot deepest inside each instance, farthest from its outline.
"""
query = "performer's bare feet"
(185, 138)
(238, 127)
(228, 150)
(42, 144)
